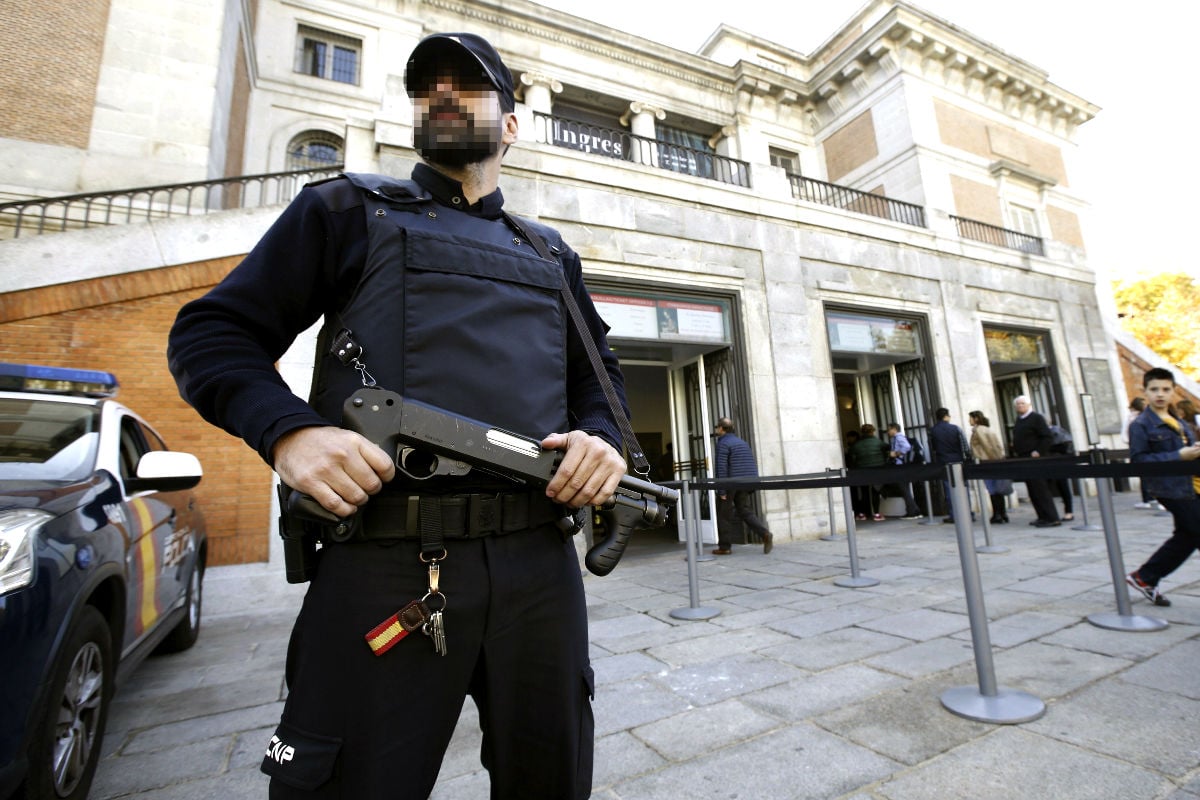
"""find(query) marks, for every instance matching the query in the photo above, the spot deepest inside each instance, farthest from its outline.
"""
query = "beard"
(453, 137)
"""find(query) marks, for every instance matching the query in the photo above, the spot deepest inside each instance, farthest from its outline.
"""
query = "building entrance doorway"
(879, 373)
(1022, 364)
(680, 376)
(880, 377)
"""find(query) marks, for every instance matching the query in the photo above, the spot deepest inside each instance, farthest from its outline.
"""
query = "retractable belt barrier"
(988, 702)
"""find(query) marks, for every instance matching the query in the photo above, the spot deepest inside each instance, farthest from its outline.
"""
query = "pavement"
(796, 688)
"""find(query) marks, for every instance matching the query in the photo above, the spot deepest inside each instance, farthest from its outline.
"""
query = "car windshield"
(47, 440)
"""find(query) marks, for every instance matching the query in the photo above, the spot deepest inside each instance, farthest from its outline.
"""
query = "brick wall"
(984, 138)
(120, 324)
(851, 146)
(50, 52)
(1133, 368)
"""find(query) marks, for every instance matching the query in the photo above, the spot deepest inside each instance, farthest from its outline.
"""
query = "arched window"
(314, 150)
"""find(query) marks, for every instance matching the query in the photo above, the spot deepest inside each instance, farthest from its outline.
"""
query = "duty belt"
(391, 515)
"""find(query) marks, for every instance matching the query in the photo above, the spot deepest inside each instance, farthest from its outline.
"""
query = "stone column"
(640, 117)
(538, 93)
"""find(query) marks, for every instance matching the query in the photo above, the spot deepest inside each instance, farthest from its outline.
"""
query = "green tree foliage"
(1163, 312)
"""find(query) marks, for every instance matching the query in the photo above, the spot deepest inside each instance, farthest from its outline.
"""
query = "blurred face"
(457, 116)
(1022, 406)
(1159, 393)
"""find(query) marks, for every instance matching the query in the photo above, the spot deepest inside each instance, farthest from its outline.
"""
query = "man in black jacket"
(452, 306)
(947, 446)
(1032, 439)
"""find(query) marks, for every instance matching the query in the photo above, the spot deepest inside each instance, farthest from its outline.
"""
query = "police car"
(102, 555)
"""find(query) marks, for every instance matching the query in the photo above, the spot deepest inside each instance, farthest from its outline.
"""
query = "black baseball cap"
(469, 46)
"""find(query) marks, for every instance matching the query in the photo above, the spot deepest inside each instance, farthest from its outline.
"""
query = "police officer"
(452, 305)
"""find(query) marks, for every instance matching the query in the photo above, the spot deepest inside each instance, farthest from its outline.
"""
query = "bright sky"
(1138, 165)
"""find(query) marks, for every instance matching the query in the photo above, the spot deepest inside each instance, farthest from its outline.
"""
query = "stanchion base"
(1132, 622)
(852, 582)
(1008, 707)
(705, 557)
(832, 537)
(698, 612)
(991, 548)
(1088, 527)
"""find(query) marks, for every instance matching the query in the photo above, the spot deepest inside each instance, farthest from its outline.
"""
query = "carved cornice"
(1003, 168)
(907, 40)
(505, 19)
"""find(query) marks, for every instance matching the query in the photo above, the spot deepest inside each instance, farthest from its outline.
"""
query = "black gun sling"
(640, 465)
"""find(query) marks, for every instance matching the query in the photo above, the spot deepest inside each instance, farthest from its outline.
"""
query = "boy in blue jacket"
(1153, 437)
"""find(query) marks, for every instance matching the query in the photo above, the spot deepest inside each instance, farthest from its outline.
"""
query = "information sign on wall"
(645, 317)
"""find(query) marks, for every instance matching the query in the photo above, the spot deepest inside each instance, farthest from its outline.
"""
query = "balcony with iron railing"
(625, 146)
(70, 212)
(1002, 237)
(145, 203)
(860, 202)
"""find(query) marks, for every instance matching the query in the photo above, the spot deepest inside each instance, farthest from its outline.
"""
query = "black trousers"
(367, 727)
(1042, 500)
(732, 511)
(1184, 541)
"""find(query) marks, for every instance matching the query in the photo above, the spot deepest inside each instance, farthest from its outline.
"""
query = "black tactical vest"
(453, 310)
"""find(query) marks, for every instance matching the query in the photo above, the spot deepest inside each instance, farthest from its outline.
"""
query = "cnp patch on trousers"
(300, 759)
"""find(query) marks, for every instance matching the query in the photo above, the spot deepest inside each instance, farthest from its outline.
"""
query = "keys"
(435, 629)
(435, 626)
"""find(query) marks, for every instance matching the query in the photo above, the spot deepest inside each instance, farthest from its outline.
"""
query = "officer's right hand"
(338, 468)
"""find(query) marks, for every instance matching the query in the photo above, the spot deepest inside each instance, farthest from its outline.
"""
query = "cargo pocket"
(300, 759)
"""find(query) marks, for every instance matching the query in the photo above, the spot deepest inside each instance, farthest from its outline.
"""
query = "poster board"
(1097, 381)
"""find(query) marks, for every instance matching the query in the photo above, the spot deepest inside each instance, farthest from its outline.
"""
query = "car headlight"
(17, 530)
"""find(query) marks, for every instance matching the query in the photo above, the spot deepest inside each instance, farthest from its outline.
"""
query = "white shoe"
(1143, 505)
(1159, 506)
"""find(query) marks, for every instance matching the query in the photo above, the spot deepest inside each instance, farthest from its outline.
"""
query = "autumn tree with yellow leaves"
(1163, 312)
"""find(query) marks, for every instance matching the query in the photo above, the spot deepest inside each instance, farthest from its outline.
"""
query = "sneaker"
(1143, 505)
(1159, 506)
(860, 517)
(1151, 592)
(912, 516)
(878, 518)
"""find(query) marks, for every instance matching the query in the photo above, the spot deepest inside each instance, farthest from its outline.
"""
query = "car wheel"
(185, 633)
(67, 745)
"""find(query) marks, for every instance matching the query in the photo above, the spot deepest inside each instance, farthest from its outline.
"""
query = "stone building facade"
(803, 242)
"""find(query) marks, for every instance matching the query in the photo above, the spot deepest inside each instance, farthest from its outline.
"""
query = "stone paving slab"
(1012, 763)
(799, 688)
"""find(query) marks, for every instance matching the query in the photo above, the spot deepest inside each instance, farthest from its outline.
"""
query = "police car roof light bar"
(57, 380)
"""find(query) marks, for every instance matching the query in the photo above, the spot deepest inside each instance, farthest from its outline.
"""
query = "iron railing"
(1003, 237)
(69, 212)
(625, 146)
(831, 194)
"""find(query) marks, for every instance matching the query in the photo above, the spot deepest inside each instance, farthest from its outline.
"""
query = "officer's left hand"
(589, 472)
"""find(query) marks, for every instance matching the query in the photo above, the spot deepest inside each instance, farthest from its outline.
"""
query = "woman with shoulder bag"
(986, 445)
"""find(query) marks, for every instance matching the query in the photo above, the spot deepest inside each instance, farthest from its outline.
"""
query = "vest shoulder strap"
(338, 193)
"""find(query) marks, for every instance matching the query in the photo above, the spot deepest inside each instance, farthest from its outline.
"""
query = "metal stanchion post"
(832, 536)
(988, 547)
(929, 519)
(1124, 619)
(1083, 504)
(692, 533)
(987, 703)
(855, 581)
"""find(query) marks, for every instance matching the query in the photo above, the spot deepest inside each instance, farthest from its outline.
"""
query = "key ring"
(433, 610)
